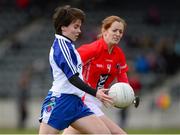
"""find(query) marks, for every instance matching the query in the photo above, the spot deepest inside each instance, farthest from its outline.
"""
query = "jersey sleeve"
(122, 61)
(123, 67)
(87, 52)
(122, 77)
(65, 58)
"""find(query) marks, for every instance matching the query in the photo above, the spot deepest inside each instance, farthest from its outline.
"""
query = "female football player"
(63, 105)
(103, 62)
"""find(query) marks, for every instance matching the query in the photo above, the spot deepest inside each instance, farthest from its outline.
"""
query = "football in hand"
(122, 94)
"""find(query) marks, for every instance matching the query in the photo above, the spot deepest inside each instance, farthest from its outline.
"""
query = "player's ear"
(104, 32)
(63, 28)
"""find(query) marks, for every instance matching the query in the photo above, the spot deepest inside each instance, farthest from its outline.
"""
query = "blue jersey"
(65, 61)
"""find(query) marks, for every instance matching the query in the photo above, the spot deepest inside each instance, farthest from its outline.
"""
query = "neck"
(110, 48)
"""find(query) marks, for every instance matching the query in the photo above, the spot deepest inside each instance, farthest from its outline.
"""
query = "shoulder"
(94, 46)
(119, 53)
(118, 50)
(63, 45)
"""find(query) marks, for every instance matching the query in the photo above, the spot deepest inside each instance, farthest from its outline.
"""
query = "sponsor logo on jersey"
(99, 65)
(102, 81)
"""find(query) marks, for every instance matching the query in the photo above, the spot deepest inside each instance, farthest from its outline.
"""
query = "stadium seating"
(35, 37)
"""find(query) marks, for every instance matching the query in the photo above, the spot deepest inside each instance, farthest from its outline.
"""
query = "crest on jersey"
(118, 66)
(80, 66)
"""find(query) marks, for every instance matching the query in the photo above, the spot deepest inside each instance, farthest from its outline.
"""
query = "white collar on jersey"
(63, 37)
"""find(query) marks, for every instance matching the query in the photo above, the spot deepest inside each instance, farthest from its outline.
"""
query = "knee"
(70, 130)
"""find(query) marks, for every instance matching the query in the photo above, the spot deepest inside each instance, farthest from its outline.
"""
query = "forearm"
(76, 81)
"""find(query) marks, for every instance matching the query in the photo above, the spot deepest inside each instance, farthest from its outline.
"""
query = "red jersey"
(100, 67)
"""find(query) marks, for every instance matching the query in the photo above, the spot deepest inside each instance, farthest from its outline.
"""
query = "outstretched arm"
(76, 81)
(100, 94)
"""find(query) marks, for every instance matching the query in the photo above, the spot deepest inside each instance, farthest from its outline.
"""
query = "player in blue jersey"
(63, 105)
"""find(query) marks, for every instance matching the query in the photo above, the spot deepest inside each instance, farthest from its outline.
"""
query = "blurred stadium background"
(151, 43)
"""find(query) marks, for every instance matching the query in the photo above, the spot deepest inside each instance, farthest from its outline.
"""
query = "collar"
(105, 45)
(63, 37)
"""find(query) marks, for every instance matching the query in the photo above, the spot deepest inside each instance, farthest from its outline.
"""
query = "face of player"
(73, 30)
(114, 34)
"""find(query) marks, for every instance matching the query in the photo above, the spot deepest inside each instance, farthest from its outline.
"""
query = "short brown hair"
(64, 16)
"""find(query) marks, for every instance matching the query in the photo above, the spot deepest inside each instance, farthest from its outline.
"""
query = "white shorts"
(94, 104)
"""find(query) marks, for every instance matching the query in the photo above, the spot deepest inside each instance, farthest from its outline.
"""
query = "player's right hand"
(103, 97)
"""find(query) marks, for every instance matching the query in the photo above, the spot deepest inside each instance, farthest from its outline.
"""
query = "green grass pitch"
(129, 131)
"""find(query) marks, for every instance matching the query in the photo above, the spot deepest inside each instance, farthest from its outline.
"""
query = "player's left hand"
(136, 101)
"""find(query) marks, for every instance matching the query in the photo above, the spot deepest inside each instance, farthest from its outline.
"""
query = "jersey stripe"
(68, 51)
(122, 67)
(69, 54)
(66, 56)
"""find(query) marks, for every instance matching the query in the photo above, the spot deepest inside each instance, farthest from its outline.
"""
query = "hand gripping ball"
(122, 94)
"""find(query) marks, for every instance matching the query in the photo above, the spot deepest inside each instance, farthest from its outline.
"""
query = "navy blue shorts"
(60, 112)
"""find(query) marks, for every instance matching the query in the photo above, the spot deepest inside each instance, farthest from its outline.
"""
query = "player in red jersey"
(104, 62)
